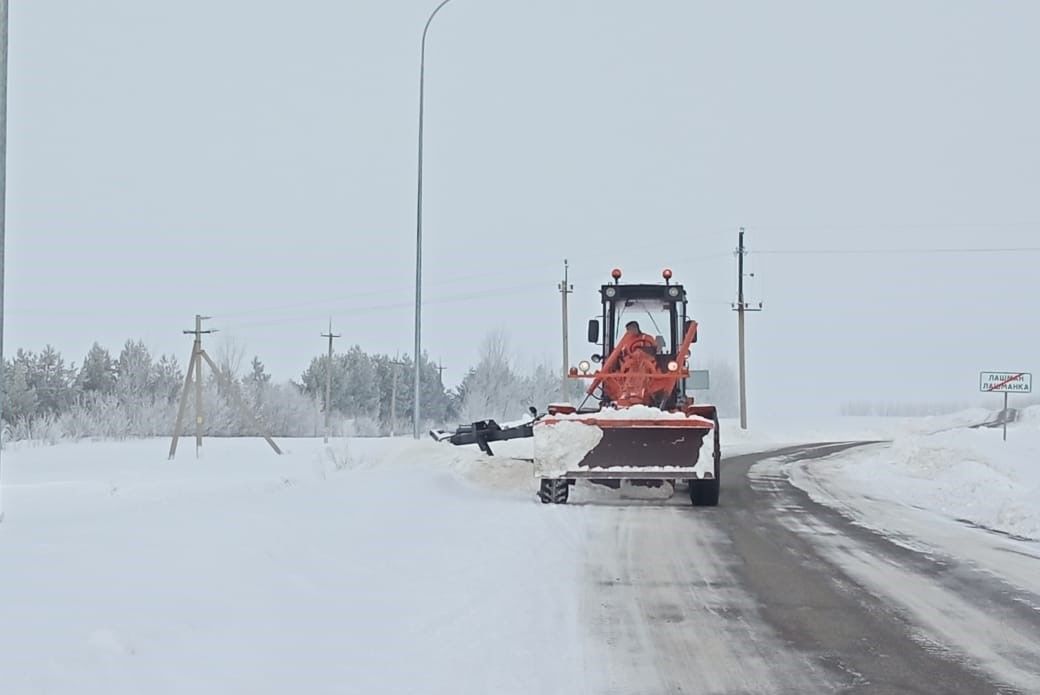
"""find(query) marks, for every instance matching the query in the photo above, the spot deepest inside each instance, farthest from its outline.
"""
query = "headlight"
(610, 291)
(673, 291)
(673, 366)
(584, 366)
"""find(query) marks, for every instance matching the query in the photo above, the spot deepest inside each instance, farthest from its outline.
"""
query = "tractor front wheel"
(705, 493)
(554, 491)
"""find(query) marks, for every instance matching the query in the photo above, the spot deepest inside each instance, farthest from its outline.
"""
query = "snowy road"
(772, 593)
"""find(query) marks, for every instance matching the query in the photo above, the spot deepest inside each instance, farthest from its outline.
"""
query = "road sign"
(699, 380)
(1006, 382)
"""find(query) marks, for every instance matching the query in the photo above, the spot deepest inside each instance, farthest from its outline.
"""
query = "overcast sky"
(255, 161)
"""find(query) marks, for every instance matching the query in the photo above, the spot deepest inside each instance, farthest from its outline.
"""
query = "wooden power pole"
(198, 355)
(328, 380)
(740, 307)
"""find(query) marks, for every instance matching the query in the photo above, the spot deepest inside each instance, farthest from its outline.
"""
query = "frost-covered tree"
(491, 389)
(313, 379)
(167, 379)
(47, 375)
(98, 372)
(20, 401)
(257, 383)
(134, 375)
(361, 397)
(438, 407)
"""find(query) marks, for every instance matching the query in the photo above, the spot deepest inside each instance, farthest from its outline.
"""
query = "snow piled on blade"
(634, 412)
(560, 447)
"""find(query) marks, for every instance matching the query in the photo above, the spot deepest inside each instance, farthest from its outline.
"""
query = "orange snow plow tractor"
(643, 424)
(638, 421)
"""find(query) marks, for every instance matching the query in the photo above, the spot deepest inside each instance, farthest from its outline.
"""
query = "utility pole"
(195, 370)
(328, 379)
(394, 364)
(740, 307)
(440, 373)
(196, 356)
(565, 289)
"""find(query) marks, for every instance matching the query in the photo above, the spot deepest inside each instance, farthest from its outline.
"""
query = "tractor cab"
(659, 311)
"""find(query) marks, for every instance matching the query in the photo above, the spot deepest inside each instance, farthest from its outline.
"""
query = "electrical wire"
(891, 251)
(355, 311)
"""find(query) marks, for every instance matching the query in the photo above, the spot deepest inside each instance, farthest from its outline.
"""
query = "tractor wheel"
(554, 491)
(705, 493)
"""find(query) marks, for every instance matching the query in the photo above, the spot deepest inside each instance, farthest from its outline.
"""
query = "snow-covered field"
(365, 567)
(370, 566)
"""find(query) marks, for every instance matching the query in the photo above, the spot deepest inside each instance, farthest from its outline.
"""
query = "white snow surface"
(634, 412)
(560, 447)
(960, 473)
(386, 566)
(368, 566)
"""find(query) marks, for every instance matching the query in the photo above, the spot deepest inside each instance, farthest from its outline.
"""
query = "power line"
(894, 252)
(462, 297)
(892, 226)
(456, 279)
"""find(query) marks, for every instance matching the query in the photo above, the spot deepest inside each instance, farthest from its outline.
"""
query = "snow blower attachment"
(485, 431)
(641, 426)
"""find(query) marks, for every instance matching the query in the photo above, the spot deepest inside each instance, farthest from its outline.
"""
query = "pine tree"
(47, 375)
(134, 377)
(20, 401)
(167, 378)
(257, 383)
(98, 373)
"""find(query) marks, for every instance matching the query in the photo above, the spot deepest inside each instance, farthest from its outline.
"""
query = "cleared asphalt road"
(772, 593)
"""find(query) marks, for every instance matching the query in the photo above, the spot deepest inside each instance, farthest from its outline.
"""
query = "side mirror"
(593, 331)
(686, 329)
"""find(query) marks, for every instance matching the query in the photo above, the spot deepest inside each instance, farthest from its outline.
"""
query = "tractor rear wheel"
(705, 493)
(554, 491)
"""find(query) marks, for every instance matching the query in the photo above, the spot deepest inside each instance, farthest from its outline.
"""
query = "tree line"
(134, 394)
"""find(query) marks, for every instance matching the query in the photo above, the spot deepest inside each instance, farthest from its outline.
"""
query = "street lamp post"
(3, 194)
(418, 230)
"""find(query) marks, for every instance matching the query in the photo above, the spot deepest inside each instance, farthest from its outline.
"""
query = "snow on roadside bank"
(790, 429)
(965, 474)
(366, 566)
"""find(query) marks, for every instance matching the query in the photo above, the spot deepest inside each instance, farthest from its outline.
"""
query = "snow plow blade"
(639, 451)
(617, 448)
(677, 446)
